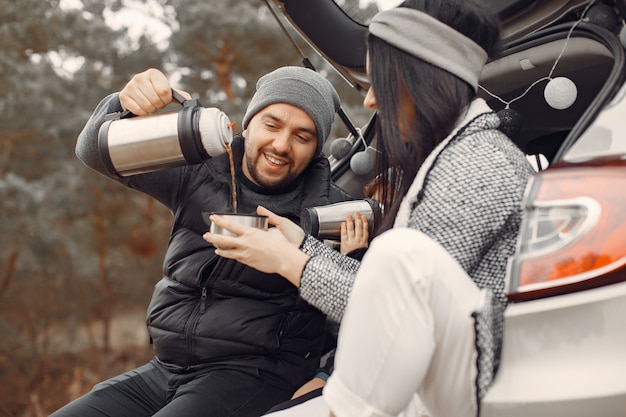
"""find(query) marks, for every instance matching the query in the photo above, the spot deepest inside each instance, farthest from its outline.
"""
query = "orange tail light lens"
(573, 235)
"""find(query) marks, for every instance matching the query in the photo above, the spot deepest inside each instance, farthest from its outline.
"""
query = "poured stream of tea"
(233, 184)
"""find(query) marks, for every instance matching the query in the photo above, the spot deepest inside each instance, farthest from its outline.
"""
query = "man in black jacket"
(228, 339)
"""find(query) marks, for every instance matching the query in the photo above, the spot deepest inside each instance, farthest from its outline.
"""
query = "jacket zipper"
(203, 299)
(198, 312)
(204, 302)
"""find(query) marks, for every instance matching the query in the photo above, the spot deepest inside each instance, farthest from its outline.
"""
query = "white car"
(562, 71)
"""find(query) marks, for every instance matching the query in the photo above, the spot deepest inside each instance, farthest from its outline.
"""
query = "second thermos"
(324, 222)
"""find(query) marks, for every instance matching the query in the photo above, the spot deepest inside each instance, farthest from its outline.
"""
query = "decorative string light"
(560, 92)
(341, 147)
(363, 162)
(603, 15)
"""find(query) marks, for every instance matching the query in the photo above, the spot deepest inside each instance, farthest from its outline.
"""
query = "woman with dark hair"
(421, 315)
(432, 100)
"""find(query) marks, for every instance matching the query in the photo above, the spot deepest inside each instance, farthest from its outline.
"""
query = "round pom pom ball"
(604, 16)
(340, 148)
(363, 162)
(510, 122)
(560, 93)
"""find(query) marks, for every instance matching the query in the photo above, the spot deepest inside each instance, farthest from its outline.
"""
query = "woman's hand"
(354, 233)
(268, 251)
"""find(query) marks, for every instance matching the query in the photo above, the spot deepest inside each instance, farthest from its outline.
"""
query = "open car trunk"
(537, 44)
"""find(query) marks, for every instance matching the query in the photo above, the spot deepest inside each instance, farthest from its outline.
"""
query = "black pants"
(152, 390)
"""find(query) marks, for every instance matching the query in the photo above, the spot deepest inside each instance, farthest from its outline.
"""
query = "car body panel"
(563, 356)
(602, 138)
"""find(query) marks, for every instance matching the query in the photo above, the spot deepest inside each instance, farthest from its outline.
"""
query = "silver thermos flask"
(324, 222)
(132, 144)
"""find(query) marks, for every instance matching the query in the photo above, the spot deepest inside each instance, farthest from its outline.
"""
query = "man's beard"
(275, 184)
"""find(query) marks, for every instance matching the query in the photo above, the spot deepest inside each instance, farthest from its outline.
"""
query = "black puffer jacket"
(210, 311)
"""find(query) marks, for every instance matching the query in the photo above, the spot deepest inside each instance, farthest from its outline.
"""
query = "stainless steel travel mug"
(324, 222)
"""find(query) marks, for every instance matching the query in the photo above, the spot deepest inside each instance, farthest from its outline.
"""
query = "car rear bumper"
(563, 355)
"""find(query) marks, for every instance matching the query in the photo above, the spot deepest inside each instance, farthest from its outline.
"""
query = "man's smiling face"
(280, 142)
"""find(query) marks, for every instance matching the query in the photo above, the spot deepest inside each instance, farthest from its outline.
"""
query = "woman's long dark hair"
(418, 103)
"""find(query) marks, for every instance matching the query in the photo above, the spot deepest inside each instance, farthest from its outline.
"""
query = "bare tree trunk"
(105, 283)
(222, 65)
(9, 270)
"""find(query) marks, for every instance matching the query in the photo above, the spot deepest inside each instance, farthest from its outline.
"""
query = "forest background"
(80, 254)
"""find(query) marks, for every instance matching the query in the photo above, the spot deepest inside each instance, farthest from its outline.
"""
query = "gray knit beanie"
(303, 88)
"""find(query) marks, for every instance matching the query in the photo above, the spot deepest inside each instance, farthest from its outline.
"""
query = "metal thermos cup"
(324, 222)
(244, 219)
(132, 145)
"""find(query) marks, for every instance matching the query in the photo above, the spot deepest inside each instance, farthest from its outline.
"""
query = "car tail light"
(573, 235)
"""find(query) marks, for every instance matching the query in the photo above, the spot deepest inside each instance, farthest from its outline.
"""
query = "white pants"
(407, 342)
(407, 332)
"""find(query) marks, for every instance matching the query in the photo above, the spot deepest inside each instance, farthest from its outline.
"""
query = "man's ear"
(245, 133)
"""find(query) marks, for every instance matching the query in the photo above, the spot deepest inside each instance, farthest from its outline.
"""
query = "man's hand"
(292, 232)
(311, 385)
(147, 92)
